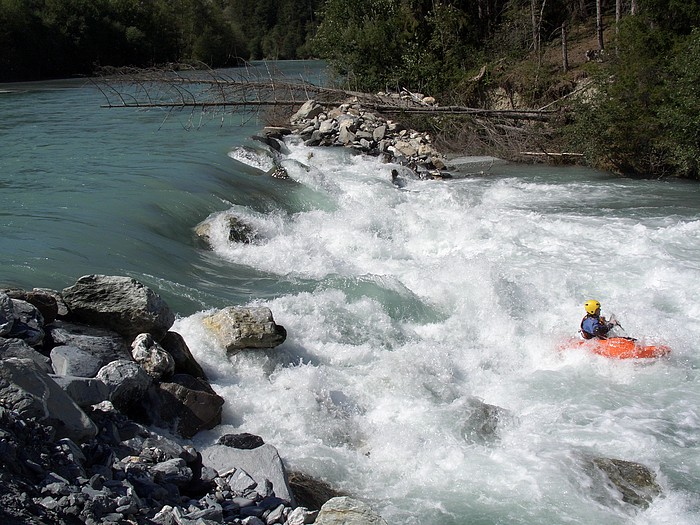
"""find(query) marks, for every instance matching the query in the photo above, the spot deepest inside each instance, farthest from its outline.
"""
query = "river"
(402, 305)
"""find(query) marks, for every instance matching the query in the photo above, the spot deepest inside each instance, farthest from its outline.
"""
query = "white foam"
(374, 401)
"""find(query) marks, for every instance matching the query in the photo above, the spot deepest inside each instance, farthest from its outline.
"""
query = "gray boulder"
(187, 405)
(128, 383)
(19, 348)
(262, 464)
(185, 363)
(7, 314)
(240, 328)
(119, 303)
(28, 323)
(482, 421)
(29, 390)
(82, 350)
(347, 511)
(308, 110)
(618, 480)
(85, 391)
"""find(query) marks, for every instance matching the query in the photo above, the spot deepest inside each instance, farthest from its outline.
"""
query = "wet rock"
(185, 363)
(188, 405)
(233, 228)
(118, 303)
(347, 511)
(633, 483)
(242, 328)
(309, 492)
(482, 421)
(243, 441)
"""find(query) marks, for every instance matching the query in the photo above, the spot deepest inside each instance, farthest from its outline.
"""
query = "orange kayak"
(623, 348)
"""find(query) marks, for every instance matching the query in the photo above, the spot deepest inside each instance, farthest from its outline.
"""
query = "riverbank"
(98, 399)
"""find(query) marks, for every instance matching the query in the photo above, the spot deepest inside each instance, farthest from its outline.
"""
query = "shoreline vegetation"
(618, 79)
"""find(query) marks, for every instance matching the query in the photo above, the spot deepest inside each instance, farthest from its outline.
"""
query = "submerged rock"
(633, 483)
(483, 421)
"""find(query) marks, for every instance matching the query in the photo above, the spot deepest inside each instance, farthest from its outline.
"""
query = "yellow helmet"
(591, 306)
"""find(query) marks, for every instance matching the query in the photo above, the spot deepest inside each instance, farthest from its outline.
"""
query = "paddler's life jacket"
(592, 326)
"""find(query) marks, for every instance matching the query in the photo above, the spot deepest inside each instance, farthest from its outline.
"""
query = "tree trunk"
(535, 27)
(599, 23)
(564, 48)
(633, 7)
(618, 16)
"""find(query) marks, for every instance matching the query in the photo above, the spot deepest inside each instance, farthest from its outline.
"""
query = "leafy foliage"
(389, 44)
(53, 38)
(645, 118)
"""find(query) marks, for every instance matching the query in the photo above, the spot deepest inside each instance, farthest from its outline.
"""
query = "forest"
(620, 77)
(42, 39)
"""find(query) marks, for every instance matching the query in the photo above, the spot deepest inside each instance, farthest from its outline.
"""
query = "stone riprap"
(87, 375)
(350, 125)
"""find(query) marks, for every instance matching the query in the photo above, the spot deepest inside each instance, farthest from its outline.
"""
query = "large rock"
(128, 383)
(81, 350)
(7, 314)
(46, 301)
(482, 421)
(308, 110)
(85, 391)
(187, 405)
(347, 511)
(633, 483)
(18, 348)
(261, 464)
(157, 363)
(119, 303)
(240, 328)
(28, 323)
(29, 390)
(309, 492)
(185, 363)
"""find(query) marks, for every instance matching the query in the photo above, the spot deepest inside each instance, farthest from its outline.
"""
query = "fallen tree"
(209, 92)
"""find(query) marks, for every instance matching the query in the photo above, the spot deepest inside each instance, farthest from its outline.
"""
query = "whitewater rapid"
(406, 303)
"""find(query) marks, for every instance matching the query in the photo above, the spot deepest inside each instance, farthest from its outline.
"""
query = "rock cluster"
(86, 376)
(350, 125)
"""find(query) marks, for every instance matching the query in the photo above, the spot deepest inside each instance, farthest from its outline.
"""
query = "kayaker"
(594, 325)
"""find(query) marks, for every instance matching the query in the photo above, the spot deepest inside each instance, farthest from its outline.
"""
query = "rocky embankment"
(350, 125)
(98, 399)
